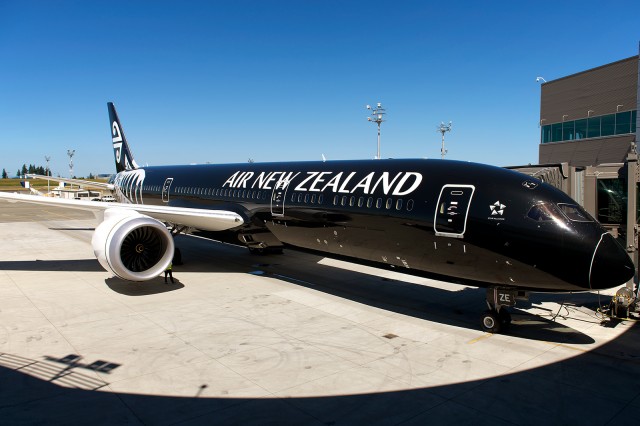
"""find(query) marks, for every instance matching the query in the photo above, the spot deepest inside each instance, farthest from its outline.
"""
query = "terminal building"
(588, 144)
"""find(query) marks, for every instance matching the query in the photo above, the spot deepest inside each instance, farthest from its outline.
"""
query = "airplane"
(454, 221)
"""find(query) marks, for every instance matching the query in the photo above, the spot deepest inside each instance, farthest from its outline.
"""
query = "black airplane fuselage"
(458, 221)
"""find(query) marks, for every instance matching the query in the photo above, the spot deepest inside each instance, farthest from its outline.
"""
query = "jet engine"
(133, 246)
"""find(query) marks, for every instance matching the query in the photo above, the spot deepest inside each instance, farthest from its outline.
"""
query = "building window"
(608, 125)
(546, 133)
(623, 122)
(593, 127)
(556, 132)
(581, 129)
(568, 130)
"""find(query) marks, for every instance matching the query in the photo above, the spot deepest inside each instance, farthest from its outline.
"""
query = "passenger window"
(306, 198)
(378, 203)
(293, 198)
(360, 201)
(399, 204)
(389, 203)
(369, 202)
(344, 200)
(299, 198)
(335, 200)
(320, 199)
(313, 199)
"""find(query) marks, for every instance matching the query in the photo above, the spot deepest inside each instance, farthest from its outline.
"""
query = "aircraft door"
(278, 197)
(452, 210)
(165, 189)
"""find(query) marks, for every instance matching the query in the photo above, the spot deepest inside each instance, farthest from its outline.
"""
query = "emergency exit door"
(165, 189)
(452, 210)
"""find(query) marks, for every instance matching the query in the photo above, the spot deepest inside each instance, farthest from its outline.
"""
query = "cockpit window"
(544, 212)
(575, 213)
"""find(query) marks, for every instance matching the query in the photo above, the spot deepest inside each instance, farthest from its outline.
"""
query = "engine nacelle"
(133, 246)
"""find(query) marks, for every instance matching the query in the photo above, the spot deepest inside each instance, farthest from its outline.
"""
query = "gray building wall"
(604, 90)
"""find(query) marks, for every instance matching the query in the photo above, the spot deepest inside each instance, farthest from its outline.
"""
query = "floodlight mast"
(443, 128)
(377, 115)
(70, 153)
(46, 172)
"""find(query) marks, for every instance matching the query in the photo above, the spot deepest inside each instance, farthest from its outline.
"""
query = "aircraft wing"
(79, 182)
(203, 219)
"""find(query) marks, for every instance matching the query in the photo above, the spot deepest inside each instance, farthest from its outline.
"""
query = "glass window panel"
(581, 128)
(556, 132)
(608, 125)
(593, 127)
(575, 213)
(568, 131)
(546, 133)
(623, 122)
(612, 201)
(634, 117)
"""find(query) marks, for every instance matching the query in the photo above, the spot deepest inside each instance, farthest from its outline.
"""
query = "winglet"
(121, 150)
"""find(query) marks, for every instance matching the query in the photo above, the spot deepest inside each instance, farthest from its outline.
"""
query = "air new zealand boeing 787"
(457, 221)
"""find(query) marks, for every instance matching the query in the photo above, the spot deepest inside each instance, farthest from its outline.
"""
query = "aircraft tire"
(491, 322)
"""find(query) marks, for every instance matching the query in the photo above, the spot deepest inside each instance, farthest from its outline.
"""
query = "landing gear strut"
(498, 318)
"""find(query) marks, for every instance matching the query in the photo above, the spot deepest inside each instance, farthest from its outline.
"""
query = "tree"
(24, 170)
(4, 174)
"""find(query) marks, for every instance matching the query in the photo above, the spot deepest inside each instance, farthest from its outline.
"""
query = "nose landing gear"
(498, 318)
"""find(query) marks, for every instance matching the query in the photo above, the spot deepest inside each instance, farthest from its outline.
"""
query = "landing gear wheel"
(491, 322)
(505, 317)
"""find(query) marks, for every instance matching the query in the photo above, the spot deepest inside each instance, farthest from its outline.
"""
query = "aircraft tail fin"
(121, 150)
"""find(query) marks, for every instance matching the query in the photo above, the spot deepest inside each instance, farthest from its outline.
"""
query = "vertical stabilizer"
(121, 150)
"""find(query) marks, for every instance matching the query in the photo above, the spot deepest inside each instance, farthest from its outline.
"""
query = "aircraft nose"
(611, 265)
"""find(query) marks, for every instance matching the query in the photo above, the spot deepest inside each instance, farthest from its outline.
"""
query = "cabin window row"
(226, 192)
(370, 202)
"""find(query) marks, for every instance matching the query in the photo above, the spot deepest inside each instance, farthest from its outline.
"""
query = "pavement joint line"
(478, 339)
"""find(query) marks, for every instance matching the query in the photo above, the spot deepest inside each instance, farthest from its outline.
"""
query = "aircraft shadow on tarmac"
(80, 265)
(145, 288)
(456, 308)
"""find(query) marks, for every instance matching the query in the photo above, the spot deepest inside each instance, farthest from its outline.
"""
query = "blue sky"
(224, 81)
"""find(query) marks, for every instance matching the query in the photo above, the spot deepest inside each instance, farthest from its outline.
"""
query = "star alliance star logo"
(497, 208)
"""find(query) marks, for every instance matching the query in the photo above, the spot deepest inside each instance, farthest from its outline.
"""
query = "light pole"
(70, 153)
(443, 128)
(46, 172)
(377, 115)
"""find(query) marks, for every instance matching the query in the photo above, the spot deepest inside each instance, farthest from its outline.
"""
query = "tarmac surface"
(286, 339)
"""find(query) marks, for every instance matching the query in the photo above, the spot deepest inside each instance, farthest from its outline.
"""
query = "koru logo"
(117, 139)
(497, 208)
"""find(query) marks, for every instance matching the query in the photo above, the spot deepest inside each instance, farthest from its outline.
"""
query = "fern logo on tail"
(117, 140)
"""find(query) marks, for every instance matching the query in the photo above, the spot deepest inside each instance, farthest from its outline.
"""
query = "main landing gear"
(498, 318)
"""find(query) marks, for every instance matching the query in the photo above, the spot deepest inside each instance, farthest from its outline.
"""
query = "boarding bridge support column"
(633, 177)
(590, 191)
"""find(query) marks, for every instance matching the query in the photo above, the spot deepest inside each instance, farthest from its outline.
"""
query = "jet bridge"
(609, 192)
